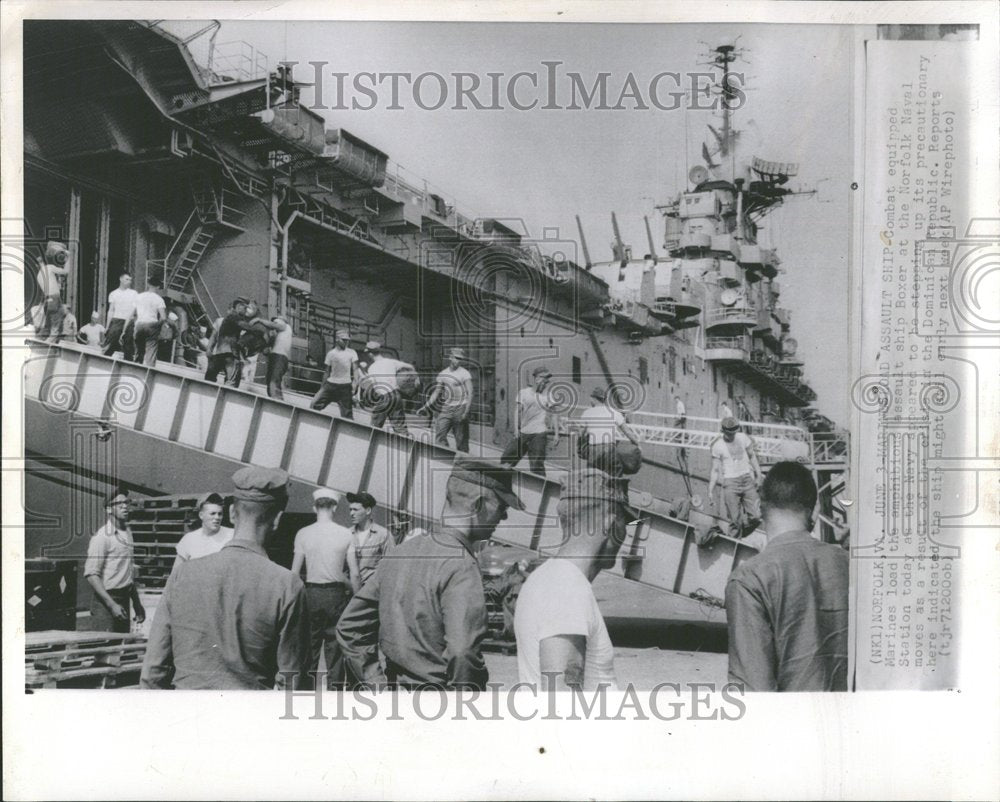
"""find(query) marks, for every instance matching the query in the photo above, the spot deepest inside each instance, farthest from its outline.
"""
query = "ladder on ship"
(202, 432)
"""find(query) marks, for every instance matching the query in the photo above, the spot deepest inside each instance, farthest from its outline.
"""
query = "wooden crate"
(55, 658)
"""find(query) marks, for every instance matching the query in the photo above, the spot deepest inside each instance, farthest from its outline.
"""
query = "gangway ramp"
(175, 432)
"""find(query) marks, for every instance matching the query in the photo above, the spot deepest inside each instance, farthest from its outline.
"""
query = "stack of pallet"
(497, 639)
(157, 524)
(59, 659)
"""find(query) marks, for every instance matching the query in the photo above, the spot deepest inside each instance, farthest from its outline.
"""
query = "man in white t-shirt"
(562, 641)
(533, 421)
(451, 401)
(210, 537)
(150, 312)
(384, 386)
(92, 334)
(341, 377)
(734, 463)
(324, 549)
(278, 356)
(121, 308)
(606, 441)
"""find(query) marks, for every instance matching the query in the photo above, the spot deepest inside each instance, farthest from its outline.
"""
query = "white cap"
(326, 492)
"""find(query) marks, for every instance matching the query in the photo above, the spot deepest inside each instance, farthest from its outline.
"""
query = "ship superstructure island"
(215, 181)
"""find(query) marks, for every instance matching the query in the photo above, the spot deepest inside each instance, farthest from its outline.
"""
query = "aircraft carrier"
(215, 179)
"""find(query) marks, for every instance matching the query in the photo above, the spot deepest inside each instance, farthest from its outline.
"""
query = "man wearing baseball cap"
(324, 549)
(425, 608)
(560, 632)
(451, 401)
(533, 420)
(734, 463)
(235, 619)
(341, 377)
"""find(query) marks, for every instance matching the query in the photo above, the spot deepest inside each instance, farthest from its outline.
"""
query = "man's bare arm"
(713, 477)
(561, 660)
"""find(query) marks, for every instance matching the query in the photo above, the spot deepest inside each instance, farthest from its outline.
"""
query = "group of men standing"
(330, 563)
(413, 614)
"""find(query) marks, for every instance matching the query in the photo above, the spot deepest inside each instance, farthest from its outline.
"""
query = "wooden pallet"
(94, 677)
(85, 659)
(157, 525)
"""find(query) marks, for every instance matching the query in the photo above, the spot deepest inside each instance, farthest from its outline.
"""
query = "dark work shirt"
(424, 607)
(231, 620)
(229, 329)
(787, 611)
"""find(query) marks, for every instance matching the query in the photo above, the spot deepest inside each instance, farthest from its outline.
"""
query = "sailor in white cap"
(451, 402)
(341, 377)
(324, 548)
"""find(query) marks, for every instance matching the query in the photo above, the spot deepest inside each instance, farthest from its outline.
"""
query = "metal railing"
(831, 447)
(230, 62)
(731, 314)
(740, 343)
(782, 430)
(184, 235)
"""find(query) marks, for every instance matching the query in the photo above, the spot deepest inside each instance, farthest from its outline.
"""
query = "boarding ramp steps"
(172, 426)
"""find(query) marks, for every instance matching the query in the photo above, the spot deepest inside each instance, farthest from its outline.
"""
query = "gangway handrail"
(785, 430)
(771, 439)
(782, 430)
